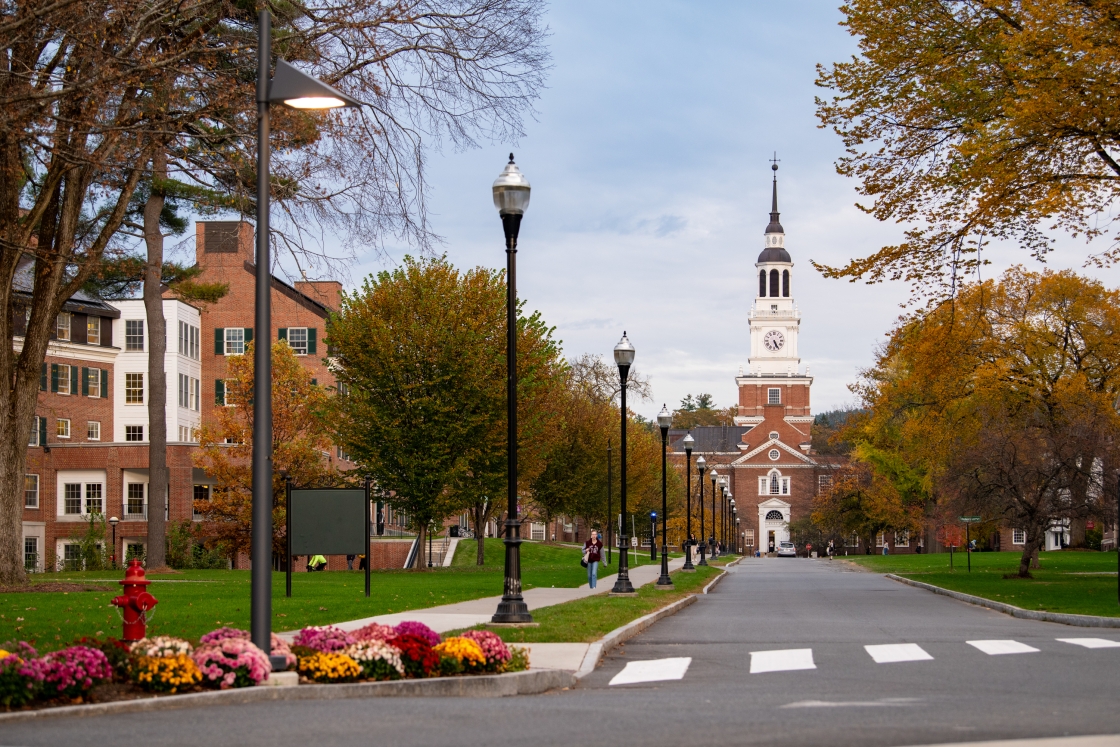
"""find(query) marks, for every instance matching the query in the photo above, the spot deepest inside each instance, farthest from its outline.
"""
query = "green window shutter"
(54, 377)
(43, 378)
(219, 341)
(283, 333)
(73, 379)
(248, 335)
(104, 383)
(42, 431)
(85, 381)
(312, 333)
(219, 392)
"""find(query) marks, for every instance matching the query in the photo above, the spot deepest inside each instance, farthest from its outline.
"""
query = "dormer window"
(773, 435)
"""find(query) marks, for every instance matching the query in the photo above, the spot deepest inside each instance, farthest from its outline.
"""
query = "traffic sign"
(633, 542)
(971, 519)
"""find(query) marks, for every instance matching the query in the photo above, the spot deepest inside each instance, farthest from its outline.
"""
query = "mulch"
(54, 586)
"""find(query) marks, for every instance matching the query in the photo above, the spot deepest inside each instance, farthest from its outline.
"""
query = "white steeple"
(774, 318)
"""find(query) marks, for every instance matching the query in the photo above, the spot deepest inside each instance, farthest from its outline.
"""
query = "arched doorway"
(773, 524)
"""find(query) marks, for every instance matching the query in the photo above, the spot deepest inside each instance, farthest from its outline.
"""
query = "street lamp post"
(664, 420)
(511, 197)
(113, 521)
(688, 442)
(701, 465)
(610, 515)
(715, 477)
(623, 356)
(298, 90)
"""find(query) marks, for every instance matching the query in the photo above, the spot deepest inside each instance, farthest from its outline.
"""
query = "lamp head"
(293, 87)
(701, 464)
(715, 476)
(114, 520)
(688, 442)
(664, 419)
(624, 352)
(511, 190)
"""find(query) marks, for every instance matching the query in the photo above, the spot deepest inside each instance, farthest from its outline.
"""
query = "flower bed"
(99, 670)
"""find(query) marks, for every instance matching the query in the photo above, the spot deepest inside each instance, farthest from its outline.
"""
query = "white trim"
(742, 461)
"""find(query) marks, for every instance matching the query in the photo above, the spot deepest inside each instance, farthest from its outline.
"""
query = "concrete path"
(476, 611)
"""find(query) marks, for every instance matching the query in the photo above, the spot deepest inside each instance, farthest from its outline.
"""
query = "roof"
(23, 282)
(774, 254)
(710, 439)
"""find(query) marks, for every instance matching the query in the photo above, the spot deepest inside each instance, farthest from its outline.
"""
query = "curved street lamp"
(664, 420)
(291, 87)
(623, 357)
(688, 442)
(701, 465)
(511, 198)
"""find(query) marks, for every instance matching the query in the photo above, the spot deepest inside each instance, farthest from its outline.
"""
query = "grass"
(589, 619)
(192, 603)
(1069, 581)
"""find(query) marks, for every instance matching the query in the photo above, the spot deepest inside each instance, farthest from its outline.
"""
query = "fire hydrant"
(135, 602)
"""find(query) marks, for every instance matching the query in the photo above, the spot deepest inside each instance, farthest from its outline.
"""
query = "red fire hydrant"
(135, 602)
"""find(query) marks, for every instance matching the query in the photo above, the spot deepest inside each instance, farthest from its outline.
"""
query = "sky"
(649, 164)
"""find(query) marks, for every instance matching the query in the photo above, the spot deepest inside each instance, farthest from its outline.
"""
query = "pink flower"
(375, 632)
(72, 671)
(411, 627)
(279, 645)
(232, 662)
(327, 639)
(493, 647)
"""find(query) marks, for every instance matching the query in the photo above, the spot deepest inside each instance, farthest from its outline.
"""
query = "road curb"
(600, 648)
(531, 682)
(1084, 621)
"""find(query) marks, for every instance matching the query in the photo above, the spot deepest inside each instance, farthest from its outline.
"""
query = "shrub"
(411, 627)
(21, 674)
(378, 660)
(466, 653)
(72, 671)
(416, 655)
(327, 639)
(185, 550)
(374, 632)
(518, 659)
(279, 645)
(329, 667)
(232, 662)
(493, 648)
(167, 674)
(160, 646)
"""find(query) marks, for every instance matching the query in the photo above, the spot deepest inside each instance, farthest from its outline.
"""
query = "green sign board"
(971, 519)
(329, 522)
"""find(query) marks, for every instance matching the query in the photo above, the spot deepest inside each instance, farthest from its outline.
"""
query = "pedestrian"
(886, 547)
(316, 563)
(831, 549)
(592, 555)
(349, 562)
(362, 562)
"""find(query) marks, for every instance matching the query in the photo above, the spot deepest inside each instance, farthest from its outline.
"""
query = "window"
(134, 388)
(134, 433)
(852, 540)
(902, 539)
(189, 337)
(94, 503)
(773, 396)
(184, 388)
(63, 379)
(1018, 537)
(133, 550)
(190, 390)
(134, 334)
(749, 539)
(774, 455)
(30, 553)
(235, 341)
(62, 427)
(31, 491)
(93, 382)
(297, 338)
(72, 556)
(201, 493)
(824, 484)
(34, 440)
(93, 430)
(879, 539)
(134, 502)
(774, 435)
(93, 330)
(774, 483)
(196, 395)
(72, 498)
(62, 327)
(775, 515)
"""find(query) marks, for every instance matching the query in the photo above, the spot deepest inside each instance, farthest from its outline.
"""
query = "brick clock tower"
(776, 473)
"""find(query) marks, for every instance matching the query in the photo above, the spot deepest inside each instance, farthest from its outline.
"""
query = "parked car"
(787, 550)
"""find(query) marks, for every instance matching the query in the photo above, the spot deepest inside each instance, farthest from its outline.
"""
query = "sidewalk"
(468, 614)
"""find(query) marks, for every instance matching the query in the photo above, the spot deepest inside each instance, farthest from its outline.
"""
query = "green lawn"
(195, 602)
(1069, 581)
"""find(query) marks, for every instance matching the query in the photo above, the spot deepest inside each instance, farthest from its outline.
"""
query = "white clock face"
(774, 340)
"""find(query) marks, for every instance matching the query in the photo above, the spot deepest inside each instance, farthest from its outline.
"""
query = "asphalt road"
(961, 694)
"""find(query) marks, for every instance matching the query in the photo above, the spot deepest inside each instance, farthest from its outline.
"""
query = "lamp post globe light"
(511, 198)
(711, 539)
(664, 420)
(701, 465)
(291, 87)
(623, 358)
(688, 442)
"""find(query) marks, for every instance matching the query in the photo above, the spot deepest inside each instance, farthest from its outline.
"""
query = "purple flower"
(72, 671)
(411, 627)
(327, 639)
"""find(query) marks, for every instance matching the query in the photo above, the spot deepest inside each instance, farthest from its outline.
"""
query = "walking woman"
(593, 553)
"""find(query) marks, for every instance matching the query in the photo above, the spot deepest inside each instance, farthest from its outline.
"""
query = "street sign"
(633, 542)
(971, 519)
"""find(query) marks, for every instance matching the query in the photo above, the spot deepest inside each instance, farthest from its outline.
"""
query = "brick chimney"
(223, 243)
(326, 292)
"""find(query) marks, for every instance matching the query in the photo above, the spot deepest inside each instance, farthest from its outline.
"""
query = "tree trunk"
(1029, 557)
(421, 563)
(478, 515)
(157, 375)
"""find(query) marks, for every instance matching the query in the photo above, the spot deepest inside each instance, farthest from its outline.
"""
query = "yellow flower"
(167, 673)
(464, 650)
(323, 667)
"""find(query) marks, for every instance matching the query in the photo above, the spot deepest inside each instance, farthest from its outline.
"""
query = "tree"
(90, 93)
(301, 448)
(700, 411)
(421, 359)
(979, 121)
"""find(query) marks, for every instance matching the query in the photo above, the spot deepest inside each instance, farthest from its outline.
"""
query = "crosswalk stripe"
(890, 653)
(652, 670)
(998, 647)
(783, 660)
(1091, 642)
